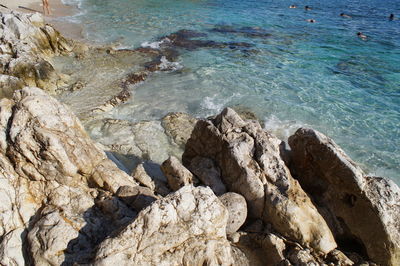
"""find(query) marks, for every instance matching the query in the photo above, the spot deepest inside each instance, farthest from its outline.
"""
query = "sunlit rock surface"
(251, 165)
(363, 212)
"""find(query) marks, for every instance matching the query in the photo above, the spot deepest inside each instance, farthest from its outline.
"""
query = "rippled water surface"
(290, 72)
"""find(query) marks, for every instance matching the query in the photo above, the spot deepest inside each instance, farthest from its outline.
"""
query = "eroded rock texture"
(363, 212)
(56, 185)
(26, 44)
(251, 165)
(64, 202)
(178, 126)
(145, 139)
(185, 228)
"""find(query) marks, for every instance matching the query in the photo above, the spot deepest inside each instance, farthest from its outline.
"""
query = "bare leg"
(44, 6)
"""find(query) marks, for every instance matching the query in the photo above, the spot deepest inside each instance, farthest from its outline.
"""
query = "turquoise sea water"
(291, 73)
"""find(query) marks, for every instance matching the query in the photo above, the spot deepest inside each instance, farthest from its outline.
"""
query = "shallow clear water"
(319, 75)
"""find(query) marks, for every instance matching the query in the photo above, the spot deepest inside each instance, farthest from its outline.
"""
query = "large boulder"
(363, 212)
(26, 45)
(46, 142)
(251, 165)
(237, 209)
(56, 186)
(184, 228)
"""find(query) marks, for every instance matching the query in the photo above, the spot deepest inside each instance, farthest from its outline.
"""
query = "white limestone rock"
(359, 209)
(26, 45)
(251, 165)
(177, 175)
(51, 173)
(208, 173)
(237, 208)
(184, 228)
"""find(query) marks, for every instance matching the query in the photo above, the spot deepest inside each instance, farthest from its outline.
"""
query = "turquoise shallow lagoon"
(291, 73)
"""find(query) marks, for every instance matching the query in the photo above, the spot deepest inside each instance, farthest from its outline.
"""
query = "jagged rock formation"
(52, 174)
(184, 228)
(64, 202)
(26, 44)
(236, 201)
(251, 165)
(363, 212)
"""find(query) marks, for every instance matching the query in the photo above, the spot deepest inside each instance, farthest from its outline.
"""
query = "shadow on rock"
(107, 217)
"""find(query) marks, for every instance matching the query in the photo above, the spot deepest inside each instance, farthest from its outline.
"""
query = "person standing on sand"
(46, 7)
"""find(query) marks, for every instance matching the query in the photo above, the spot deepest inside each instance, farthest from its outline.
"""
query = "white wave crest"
(166, 65)
(282, 129)
(155, 45)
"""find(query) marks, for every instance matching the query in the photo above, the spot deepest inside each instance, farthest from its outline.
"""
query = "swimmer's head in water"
(391, 16)
(361, 36)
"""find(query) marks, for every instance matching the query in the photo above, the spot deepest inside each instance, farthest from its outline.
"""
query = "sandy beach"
(57, 8)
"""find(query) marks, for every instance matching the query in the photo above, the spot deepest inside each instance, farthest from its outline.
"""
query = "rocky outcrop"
(26, 44)
(64, 202)
(185, 228)
(57, 186)
(251, 165)
(46, 142)
(363, 212)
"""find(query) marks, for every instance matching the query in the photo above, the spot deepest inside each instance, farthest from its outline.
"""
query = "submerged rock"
(363, 212)
(251, 165)
(246, 31)
(146, 139)
(178, 126)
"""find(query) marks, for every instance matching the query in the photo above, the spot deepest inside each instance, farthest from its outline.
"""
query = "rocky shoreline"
(239, 196)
